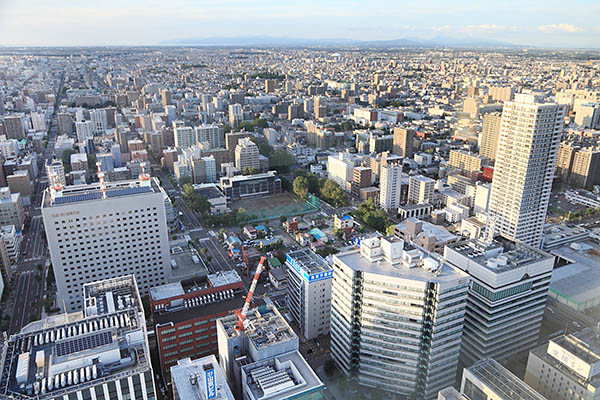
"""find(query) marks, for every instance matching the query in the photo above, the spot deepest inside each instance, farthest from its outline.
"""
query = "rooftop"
(69, 352)
(501, 381)
(284, 376)
(93, 192)
(200, 379)
(266, 327)
(309, 264)
(403, 261)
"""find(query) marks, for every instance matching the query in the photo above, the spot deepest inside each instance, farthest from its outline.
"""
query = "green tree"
(91, 159)
(66, 160)
(249, 171)
(300, 187)
(281, 161)
(185, 180)
(389, 230)
(283, 219)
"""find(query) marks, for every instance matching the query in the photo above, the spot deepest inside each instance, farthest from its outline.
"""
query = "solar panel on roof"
(128, 191)
(83, 343)
(77, 197)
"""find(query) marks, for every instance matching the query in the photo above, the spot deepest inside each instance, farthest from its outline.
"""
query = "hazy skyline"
(150, 22)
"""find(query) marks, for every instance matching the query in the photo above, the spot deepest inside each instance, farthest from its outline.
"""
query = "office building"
(184, 314)
(488, 144)
(166, 98)
(184, 137)
(102, 230)
(567, 367)
(262, 361)
(236, 115)
(403, 142)
(390, 186)
(340, 169)
(99, 121)
(420, 189)
(487, 379)
(309, 292)
(11, 209)
(101, 353)
(386, 324)
(199, 379)
(214, 135)
(507, 297)
(244, 186)
(65, 124)
(530, 134)
(84, 131)
(14, 127)
(246, 154)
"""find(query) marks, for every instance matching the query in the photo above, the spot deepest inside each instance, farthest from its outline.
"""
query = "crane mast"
(241, 315)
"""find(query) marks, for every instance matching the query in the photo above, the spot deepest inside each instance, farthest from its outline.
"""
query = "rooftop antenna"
(101, 177)
(144, 177)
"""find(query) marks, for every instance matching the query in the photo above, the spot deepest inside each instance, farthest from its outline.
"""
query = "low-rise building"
(199, 379)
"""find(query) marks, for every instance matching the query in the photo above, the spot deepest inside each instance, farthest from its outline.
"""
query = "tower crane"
(242, 324)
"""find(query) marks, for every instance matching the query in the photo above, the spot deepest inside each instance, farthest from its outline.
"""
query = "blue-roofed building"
(318, 234)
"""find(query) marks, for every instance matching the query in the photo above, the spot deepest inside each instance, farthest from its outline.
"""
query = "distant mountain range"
(272, 41)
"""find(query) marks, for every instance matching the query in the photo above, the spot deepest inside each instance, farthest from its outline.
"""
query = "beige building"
(420, 189)
(466, 162)
(11, 209)
(567, 367)
(246, 154)
(403, 142)
(19, 182)
(488, 144)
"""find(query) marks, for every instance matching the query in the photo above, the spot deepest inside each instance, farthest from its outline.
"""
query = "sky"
(549, 23)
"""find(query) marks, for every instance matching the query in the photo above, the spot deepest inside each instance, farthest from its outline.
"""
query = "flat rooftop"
(441, 234)
(306, 260)
(285, 376)
(92, 192)
(209, 191)
(193, 378)
(555, 235)
(501, 381)
(500, 255)
(266, 327)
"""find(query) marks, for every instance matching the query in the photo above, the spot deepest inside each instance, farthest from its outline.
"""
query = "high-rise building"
(490, 133)
(99, 121)
(166, 97)
(236, 115)
(578, 164)
(567, 367)
(420, 189)
(65, 124)
(105, 230)
(232, 138)
(530, 134)
(501, 93)
(340, 169)
(361, 178)
(55, 168)
(213, 134)
(387, 323)
(270, 85)
(187, 310)
(11, 208)
(309, 292)
(14, 127)
(510, 282)
(246, 154)
(403, 142)
(84, 130)
(466, 162)
(390, 177)
(184, 137)
(102, 353)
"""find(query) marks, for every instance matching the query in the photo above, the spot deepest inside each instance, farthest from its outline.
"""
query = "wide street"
(28, 291)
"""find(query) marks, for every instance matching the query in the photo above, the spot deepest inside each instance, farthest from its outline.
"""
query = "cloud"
(487, 28)
(551, 28)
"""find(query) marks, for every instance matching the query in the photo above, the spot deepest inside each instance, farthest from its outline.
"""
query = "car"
(550, 309)
(577, 325)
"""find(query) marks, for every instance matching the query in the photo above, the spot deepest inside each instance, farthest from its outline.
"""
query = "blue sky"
(548, 23)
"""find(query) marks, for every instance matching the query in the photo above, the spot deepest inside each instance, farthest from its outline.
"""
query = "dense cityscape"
(265, 223)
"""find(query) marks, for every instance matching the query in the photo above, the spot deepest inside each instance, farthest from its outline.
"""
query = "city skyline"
(536, 24)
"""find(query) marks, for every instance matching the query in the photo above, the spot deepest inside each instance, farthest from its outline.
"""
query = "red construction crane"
(241, 315)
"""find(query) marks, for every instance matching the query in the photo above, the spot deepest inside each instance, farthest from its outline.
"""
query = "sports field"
(273, 206)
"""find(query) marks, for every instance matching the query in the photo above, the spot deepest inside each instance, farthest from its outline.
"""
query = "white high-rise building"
(99, 121)
(246, 154)
(56, 168)
(390, 177)
(420, 189)
(397, 316)
(97, 232)
(184, 137)
(507, 297)
(84, 131)
(102, 353)
(340, 169)
(309, 292)
(38, 121)
(530, 135)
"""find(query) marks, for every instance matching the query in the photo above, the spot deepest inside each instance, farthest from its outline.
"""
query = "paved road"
(564, 316)
(27, 292)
